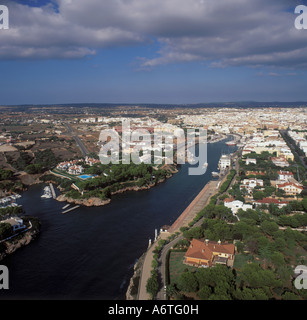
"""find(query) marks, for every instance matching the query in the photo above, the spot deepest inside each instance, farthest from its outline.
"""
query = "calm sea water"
(89, 253)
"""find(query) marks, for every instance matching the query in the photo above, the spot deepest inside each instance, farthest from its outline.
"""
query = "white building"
(250, 184)
(284, 175)
(225, 162)
(290, 188)
(251, 161)
(76, 169)
(235, 205)
(16, 223)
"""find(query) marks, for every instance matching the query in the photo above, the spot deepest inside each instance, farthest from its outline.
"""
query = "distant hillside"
(239, 104)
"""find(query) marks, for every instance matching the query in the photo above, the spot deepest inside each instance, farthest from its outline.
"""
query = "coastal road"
(196, 205)
(77, 139)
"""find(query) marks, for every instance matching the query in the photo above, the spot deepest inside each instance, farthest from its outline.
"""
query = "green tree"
(204, 293)
(152, 285)
(269, 227)
(5, 174)
(5, 230)
(258, 195)
(196, 232)
(33, 168)
(290, 296)
(278, 259)
(187, 282)
(304, 204)
(240, 246)
(255, 277)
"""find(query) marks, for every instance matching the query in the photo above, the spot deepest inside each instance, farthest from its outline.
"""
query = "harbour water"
(89, 253)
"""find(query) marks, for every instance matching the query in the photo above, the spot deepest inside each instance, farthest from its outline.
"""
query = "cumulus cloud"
(222, 33)
(42, 32)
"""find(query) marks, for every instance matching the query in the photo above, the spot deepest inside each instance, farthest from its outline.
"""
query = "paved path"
(146, 269)
(195, 206)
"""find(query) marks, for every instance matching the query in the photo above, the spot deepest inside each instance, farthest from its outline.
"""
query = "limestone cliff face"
(95, 202)
(30, 179)
(10, 247)
(92, 202)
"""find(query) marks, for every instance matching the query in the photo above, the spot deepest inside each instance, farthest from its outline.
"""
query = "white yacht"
(47, 193)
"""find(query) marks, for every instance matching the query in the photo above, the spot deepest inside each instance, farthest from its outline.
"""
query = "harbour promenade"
(188, 215)
(195, 206)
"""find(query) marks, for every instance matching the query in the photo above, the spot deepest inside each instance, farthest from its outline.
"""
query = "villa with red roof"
(268, 201)
(209, 253)
(290, 188)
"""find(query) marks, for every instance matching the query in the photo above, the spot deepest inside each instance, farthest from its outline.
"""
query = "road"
(189, 213)
(80, 144)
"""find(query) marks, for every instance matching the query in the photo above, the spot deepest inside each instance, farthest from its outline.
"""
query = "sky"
(152, 51)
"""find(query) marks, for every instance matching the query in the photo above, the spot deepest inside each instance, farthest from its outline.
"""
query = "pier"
(73, 208)
(52, 190)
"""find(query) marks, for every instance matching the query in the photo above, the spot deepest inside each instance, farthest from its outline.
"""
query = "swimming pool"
(85, 176)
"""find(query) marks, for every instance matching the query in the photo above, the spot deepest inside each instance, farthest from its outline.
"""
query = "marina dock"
(73, 208)
(52, 190)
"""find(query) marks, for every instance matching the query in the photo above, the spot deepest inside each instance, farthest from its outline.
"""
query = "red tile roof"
(285, 173)
(289, 184)
(271, 200)
(204, 251)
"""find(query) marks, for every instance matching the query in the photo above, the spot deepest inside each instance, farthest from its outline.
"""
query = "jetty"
(52, 190)
(70, 209)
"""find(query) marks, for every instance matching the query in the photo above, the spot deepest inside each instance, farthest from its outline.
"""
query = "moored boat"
(47, 193)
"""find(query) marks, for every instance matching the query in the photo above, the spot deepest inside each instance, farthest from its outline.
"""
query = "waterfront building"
(16, 223)
(224, 162)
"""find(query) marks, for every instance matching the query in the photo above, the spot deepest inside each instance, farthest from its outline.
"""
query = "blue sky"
(153, 51)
